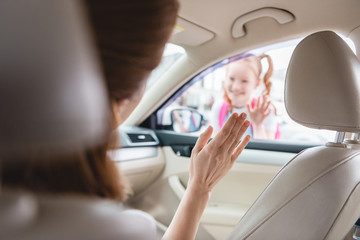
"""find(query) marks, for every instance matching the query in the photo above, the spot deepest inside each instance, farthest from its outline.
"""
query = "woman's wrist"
(187, 217)
(198, 189)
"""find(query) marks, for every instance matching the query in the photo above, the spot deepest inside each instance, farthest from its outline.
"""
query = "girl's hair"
(131, 37)
(256, 67)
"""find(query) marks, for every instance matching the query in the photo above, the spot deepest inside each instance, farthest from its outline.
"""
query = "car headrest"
(322, 86)
(52, 95)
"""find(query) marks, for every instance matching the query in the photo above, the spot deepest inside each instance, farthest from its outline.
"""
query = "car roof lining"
(260, 32)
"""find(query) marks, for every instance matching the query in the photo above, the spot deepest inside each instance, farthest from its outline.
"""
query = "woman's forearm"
(186, 221)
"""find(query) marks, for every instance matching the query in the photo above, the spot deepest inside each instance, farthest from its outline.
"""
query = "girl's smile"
(240, 83)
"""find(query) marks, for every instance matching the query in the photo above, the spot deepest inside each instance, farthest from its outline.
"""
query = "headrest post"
(339, 137)
(356, 136)
(0, 177)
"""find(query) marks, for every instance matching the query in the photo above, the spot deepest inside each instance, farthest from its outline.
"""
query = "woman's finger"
(203, 140)
(239, 135)
(231, 140)
(224, 132)
(240, 148)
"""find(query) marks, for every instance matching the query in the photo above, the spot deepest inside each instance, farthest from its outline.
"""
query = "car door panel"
(138, 157)
(230, 199)
(233, 195)
(140, 173)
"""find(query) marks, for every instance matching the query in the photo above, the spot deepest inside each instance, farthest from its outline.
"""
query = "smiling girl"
(242, 78)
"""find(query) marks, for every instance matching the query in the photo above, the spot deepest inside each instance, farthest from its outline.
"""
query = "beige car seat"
(52, 96)
(317, 194)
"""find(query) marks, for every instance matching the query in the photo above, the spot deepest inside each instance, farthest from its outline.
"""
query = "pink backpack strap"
(223, 112)
(277, 133)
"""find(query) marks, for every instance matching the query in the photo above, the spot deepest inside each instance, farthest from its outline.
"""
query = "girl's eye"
(244, 81)
(232, 79)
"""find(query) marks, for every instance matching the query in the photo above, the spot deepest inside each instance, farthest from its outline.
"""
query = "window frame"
(154, 122)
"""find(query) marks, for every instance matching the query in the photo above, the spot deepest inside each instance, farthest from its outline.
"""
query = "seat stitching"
(257, 227)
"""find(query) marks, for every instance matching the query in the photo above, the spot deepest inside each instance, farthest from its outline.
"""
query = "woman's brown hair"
(131, 36)
(86, 173)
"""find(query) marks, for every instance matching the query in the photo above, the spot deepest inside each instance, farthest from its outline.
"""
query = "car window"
(201, 101)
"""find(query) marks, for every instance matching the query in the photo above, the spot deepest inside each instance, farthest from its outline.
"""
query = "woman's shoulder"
(61, 215)
(143, 218)
(132, 223)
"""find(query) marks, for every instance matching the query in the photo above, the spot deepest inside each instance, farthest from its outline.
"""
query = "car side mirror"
(186, 120)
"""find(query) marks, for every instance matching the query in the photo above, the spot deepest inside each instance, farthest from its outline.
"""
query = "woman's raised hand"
(210, 162)
(260, 111)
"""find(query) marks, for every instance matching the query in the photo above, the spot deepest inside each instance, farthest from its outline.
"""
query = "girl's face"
(240, 83)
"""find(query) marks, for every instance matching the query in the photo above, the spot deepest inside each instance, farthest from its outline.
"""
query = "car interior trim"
(280, 15)
(176, 140)
(128, 154)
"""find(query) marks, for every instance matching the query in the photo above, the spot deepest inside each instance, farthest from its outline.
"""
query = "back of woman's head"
(131, 36)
